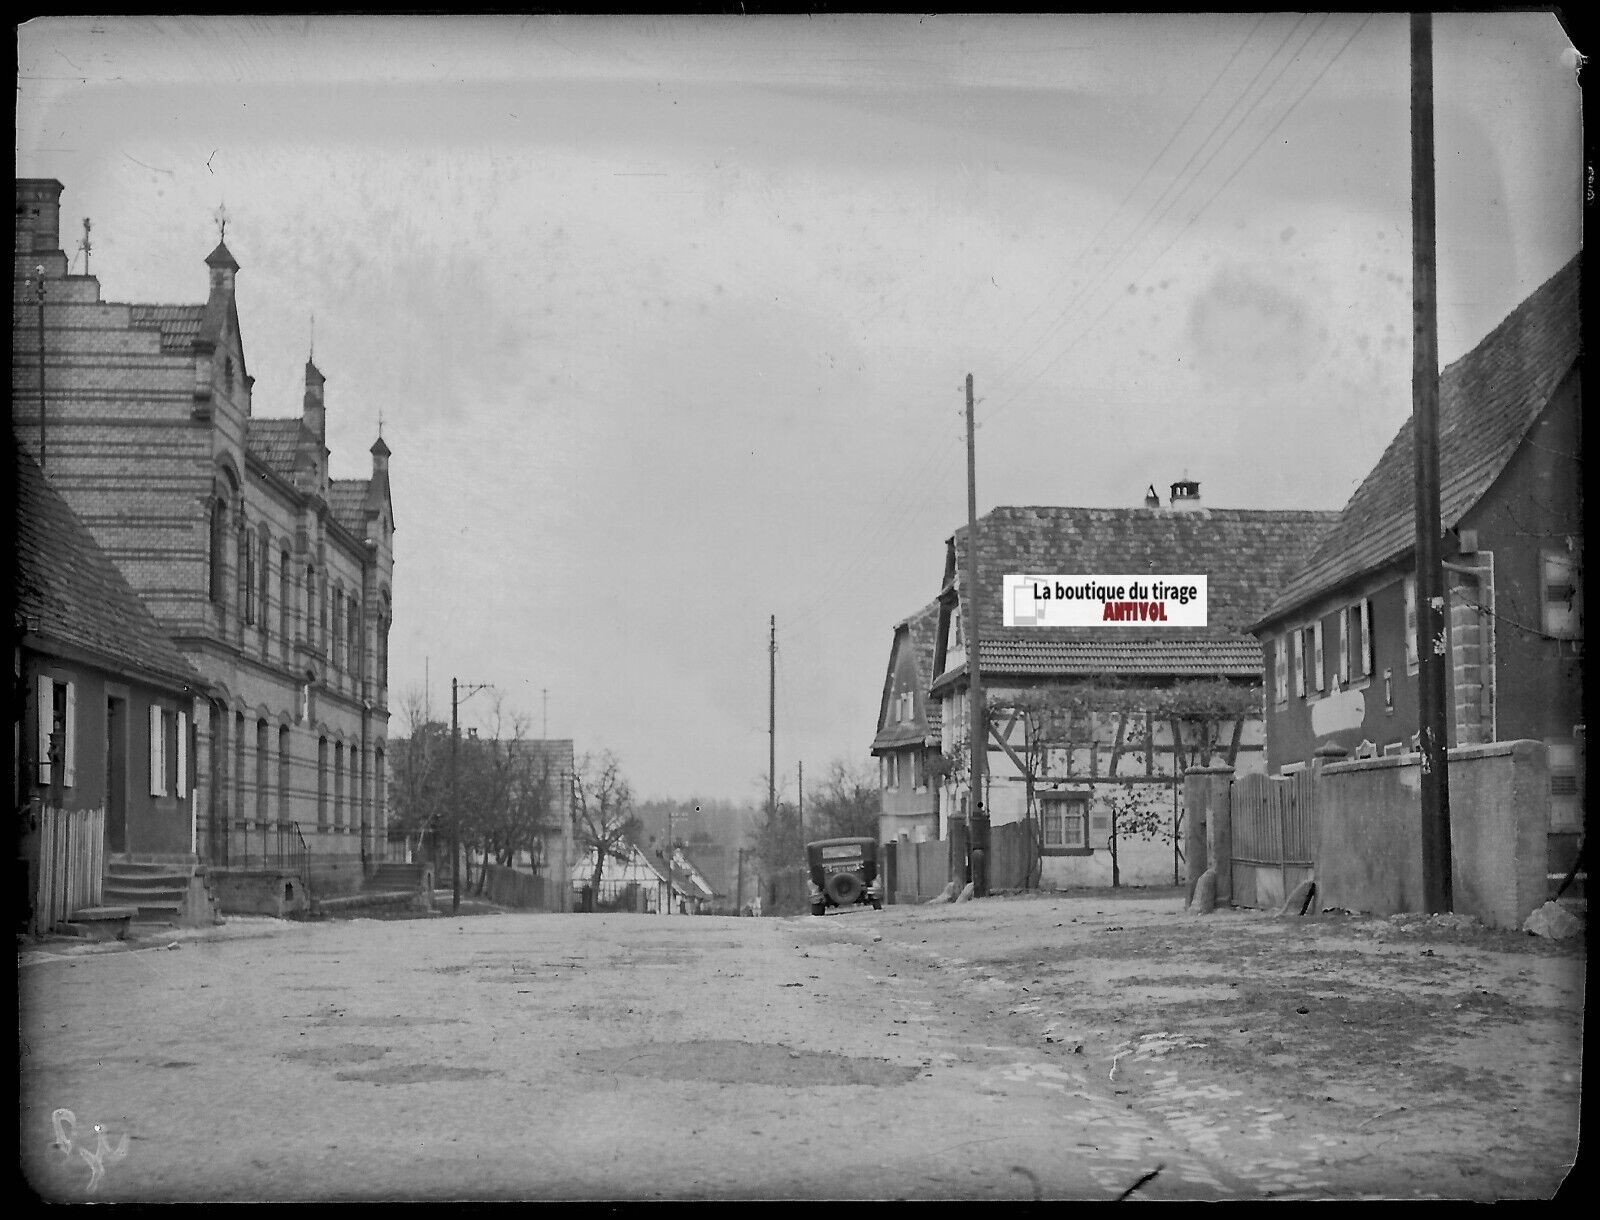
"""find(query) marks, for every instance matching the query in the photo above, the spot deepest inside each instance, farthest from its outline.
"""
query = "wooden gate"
(1274, 827)
(72, 860)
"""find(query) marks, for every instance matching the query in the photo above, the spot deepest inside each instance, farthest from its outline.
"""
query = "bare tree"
(846, 805)
(603, 809)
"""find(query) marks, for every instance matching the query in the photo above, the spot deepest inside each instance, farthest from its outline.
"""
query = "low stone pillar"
(1205, 816)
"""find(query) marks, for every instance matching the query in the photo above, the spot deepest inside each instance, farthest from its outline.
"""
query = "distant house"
(642, 881)
(1340, 636)
(908, 738)
(1090, 728)
(106, 703)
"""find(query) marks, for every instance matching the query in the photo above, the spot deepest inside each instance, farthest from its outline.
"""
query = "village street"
(1038, 1046)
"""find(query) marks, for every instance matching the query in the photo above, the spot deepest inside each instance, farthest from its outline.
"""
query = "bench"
(102, 923)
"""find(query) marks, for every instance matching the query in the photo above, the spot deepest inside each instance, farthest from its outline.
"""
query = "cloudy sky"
(668, 319)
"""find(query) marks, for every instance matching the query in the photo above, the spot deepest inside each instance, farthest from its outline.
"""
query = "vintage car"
(843, 873)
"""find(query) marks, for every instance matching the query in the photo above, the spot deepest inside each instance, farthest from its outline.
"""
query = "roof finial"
(380, 425)
(85, 245)
(221, 217)
(311, 352)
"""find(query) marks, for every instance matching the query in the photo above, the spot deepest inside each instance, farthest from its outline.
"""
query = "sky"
(667, 320)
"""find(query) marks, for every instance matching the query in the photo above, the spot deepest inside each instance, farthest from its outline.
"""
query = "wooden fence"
(72, 858)
(1013, 857)
(525, 891)
(1274, 828)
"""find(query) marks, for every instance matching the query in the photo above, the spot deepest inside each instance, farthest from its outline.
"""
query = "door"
(116, 775)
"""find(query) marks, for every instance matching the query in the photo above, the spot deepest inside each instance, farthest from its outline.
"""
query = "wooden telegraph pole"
(1431, 655)
(977, 730)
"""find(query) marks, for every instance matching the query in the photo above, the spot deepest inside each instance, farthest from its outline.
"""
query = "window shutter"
(69, 749)
(183, 754)
(47, 715)
(1347, 621)
(1099, 827)
(1280, 670)
(1411, 620)
(1299, 664)
(1316, 655)
(1364, 658)
(158, 767)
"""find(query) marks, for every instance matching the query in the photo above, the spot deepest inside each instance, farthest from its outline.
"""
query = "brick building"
(271, 577)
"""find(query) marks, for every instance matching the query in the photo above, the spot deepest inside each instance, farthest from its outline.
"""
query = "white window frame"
(1053, 825)
(69, 731)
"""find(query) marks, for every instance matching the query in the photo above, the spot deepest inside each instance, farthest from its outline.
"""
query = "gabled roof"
(1488, 400)
(179, 324)
(919, 633)
(69, 592)
(1244, 553)
(348, 498)
(277, 441)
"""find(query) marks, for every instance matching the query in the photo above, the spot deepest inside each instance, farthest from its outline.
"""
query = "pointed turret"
(316, 415)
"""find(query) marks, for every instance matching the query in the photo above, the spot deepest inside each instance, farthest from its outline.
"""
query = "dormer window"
(227, 374)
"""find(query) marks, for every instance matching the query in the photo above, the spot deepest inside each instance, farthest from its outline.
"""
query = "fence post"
(1208, 829)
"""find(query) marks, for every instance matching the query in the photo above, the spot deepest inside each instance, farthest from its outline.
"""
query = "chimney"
(1151, 500)
(1186, 496)
(38, 215)
(316, 416)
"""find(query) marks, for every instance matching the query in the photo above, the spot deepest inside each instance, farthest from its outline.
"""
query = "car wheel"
(819, 908)
(877, 905)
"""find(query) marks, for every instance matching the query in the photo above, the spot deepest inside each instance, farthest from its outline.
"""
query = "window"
(247, 577)
(1411, 621)
(338, 784)
(322, 781)
(1280, 669)
(1563, 596)
(1358, 627)
(261, 772)
(1317, 670)
(283, 773)
(353, 627)
(238, 768)
(1065, 822)
(266, 568)
(1299, 663)
(58, 714)
(216, 562)
(285, 597)
(893, 772)
(338, 636)
(158, 751)
(919, 774)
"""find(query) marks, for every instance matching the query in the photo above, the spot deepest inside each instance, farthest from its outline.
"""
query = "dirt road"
(1023, 1047)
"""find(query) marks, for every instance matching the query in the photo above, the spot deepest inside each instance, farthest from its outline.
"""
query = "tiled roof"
(921, 631)
(1245, 554)
(276, 441)
(348, 500)
(69, 591)
(179, 324)
(1487, 401)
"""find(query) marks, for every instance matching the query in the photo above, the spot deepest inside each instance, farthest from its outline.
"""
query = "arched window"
(353, 649)
(285, 599)
(283, 774)
(322, 782)
(216, 572)
(338, 633)
(383, 638)
(265, 575)
(261, 772)
(247, 576)
(308, 625)
(339, 816)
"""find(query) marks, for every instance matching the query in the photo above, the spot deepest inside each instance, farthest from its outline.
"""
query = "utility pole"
(738, 885)
(669, 860)
(38, 280)
(800, 806)
(772, 720)
(977, 731)
(455, 803)
(1431, 657)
